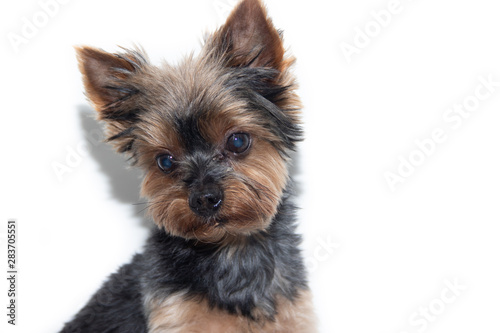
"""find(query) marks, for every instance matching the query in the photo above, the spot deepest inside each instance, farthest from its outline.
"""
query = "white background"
(377, 257)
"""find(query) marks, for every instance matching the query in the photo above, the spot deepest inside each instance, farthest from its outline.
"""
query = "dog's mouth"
(215, 222)
(208, 215)
(221, 229)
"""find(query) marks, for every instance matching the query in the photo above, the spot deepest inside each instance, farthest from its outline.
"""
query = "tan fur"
(249, 205)
(178, 315)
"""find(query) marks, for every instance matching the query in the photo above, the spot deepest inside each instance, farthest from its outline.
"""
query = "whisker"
(151, 204)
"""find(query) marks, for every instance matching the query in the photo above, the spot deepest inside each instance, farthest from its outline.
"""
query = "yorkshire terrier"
(214, 137)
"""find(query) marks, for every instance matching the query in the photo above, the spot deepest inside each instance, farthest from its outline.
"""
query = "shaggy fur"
(213, 136)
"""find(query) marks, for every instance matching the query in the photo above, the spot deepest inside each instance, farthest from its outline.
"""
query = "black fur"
(188, 130)
(116, 306)
(268, 265)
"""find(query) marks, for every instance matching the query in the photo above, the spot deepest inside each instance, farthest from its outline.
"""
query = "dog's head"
(212, 134)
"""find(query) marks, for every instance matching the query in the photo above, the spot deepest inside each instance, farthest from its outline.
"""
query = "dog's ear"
(109, 81)
(248, 38)
(107, 76)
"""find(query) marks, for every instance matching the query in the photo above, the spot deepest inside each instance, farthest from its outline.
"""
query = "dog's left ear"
(249, 39)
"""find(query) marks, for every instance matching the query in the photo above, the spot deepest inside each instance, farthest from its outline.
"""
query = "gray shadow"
(125, 181)
(295, 170)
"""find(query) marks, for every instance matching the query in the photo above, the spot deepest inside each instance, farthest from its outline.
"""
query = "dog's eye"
(165, 163)
(238, 143)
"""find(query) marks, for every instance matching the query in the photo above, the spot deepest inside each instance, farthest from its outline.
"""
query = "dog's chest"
(176, 314)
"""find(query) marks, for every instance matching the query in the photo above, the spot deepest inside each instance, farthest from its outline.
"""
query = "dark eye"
(238, 143)
(165, 163)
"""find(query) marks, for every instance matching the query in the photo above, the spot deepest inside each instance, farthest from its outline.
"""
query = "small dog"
(214, 137)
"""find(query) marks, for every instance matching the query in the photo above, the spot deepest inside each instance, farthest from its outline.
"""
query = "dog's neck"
(243, 277)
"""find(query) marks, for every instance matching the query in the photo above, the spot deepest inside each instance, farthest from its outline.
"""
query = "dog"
(214, 137)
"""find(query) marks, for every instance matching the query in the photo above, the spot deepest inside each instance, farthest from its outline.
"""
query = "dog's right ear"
(110, 82)
(107, 76)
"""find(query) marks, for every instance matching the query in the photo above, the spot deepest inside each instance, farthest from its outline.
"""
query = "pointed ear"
(109, 81)
(249, 38)
(105, 75)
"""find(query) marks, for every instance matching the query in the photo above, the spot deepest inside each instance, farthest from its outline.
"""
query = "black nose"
(206, 202)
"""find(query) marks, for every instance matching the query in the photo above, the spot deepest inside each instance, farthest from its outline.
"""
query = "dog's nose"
(206, 202)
